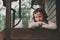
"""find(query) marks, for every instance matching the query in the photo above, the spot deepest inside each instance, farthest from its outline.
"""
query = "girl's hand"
(35, 24)
(41, 23)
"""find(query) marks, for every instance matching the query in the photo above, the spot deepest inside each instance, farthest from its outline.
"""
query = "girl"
(40, 20)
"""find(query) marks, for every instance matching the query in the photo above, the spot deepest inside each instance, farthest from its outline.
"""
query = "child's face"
(38, 17)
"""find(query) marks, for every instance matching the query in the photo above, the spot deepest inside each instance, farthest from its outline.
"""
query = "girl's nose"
(39, 19)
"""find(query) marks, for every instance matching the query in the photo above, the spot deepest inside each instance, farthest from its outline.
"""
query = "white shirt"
(50, 25)
(19, 25)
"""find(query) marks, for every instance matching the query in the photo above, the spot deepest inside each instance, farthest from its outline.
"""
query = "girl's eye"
(36, 17)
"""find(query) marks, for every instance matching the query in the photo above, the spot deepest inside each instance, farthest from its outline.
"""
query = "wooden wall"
(50, 7)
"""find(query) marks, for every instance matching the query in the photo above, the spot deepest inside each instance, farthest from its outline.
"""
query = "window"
(2, 16)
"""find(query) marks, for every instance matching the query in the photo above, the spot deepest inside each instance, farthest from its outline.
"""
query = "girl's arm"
(33, 25)
(50, 25)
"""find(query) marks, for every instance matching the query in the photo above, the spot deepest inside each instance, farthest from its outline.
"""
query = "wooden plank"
(51, 5)
(8, 19)
(52, 15)
(51, 10)
(34, 34)
(53, 19)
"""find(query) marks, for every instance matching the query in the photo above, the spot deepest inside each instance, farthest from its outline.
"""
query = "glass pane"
(22, 12)
(2, 15)
(14, 12)
(25, 12)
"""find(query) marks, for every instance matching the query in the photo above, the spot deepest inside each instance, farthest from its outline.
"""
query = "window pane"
(2, 16)
(25, 12)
